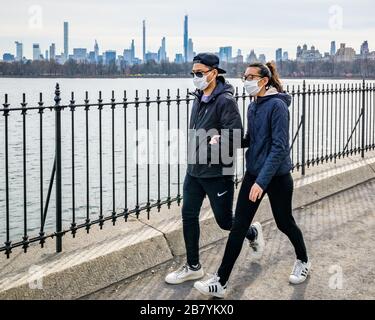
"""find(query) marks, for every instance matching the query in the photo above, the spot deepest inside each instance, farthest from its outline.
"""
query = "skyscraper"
(226, 54)
(19, 51)
(190, 50)
(186, 38)
(110, 57)
(179, 58)
(80, 54)
(52, 51)
(36, 52)
(279, 54)
(299, 52)
(96, 52)
(365, 49)
(66, 40)
(333, 48)
(144, 40)
(262, 58)
(162, 54)
(252, 57)
(132, 48)
(345, 54)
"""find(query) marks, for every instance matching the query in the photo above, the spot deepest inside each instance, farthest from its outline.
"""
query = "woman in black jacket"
(268, 171)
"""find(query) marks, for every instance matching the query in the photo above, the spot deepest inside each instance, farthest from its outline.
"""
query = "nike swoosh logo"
(221, 194)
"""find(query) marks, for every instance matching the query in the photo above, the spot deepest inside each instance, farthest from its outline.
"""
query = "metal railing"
(327, 123)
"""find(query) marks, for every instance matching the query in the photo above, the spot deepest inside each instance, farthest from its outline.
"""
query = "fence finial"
(57, 94)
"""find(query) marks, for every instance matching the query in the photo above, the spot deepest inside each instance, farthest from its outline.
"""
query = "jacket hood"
(284, 96)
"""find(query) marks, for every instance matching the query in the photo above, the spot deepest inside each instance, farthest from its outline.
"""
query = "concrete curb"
(93, 262)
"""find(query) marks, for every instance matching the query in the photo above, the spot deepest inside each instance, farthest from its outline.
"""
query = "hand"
(215, 140)
(256, 193)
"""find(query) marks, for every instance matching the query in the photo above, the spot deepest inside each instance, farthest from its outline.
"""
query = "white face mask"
(201, 83)
(252, 88)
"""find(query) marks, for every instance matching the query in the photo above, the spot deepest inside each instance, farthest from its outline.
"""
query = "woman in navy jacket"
(268, 171)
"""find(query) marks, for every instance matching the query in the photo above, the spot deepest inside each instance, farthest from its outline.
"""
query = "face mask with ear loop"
(252, 88)
(202, 83)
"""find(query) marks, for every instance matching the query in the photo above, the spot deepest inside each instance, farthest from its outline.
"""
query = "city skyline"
(208, 31)
(303, 53)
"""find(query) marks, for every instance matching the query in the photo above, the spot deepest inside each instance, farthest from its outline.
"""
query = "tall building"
(52, 51)
(132, 48)
(36, 52)
(96, 52)
(304, 54)
(190, 50)
(299, 52)
(110, 57)
(19, 51)
(345, 54)
(8, 57)
(252, 57)
(225, 54)
(285, 56)
(179, 58)
(162, 54)
(365, 49)
(46, 56)
(186, 38)
(333, 48)
(66, 40)
(144, 40)
(262, 58)
(129, 54)
(151, 56)
(80, 54)
(279, 54)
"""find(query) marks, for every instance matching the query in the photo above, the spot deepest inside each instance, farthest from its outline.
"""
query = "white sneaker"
(211, 287)
(185, 273)
(258, 244)
(300, 272)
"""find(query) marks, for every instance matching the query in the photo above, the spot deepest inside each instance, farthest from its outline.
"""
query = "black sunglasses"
(200, 74)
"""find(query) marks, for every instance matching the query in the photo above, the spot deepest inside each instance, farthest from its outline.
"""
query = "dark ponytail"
(269, 70)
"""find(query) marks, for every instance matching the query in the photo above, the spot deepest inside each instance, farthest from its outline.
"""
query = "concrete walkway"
(340, 236)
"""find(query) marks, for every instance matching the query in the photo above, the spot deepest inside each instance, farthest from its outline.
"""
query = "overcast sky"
(243, 24)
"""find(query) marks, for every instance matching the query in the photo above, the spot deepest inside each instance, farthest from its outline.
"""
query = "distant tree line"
(289, 69)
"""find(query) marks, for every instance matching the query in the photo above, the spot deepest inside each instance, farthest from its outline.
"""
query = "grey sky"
(263, 26)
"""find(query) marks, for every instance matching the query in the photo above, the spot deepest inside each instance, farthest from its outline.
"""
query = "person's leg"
(280, 193)
(220, 192)
(193, 195)
(245, 212)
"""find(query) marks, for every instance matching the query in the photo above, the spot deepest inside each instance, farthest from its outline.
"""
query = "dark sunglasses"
(200, 74)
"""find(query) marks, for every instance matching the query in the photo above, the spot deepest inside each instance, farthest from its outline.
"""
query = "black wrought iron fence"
(107, 168)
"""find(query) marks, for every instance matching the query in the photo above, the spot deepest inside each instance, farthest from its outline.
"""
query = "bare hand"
(256, 193)
(215, 140)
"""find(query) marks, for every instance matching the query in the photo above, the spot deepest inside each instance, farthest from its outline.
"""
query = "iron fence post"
(363, 118)
(304, 128)
(58, 170)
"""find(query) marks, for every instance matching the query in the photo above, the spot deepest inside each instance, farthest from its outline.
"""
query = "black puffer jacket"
(218, 113)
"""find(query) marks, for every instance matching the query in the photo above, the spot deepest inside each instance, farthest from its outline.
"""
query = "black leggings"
(280, 193)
